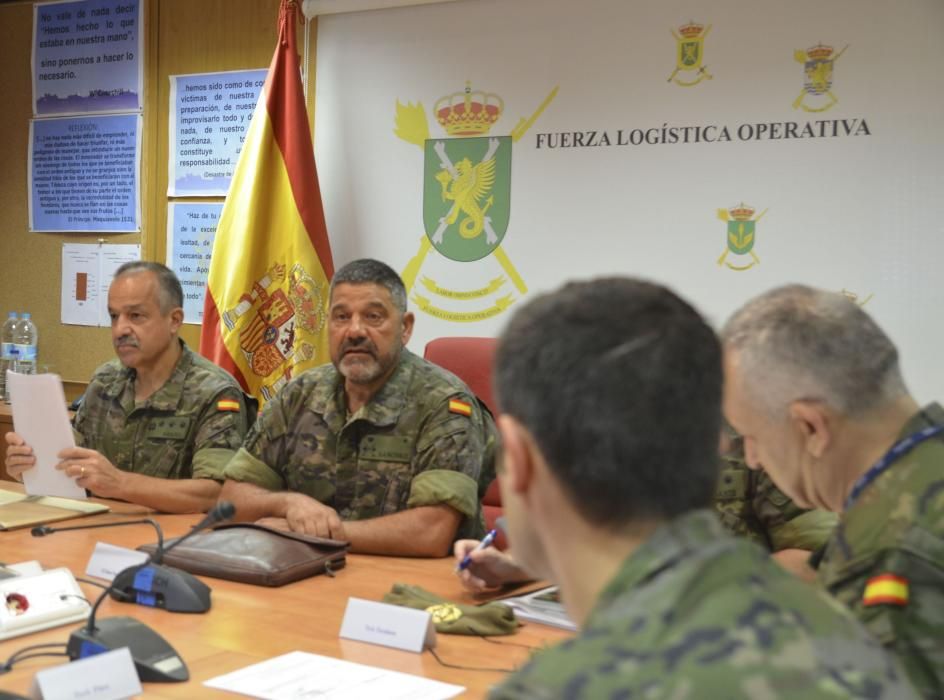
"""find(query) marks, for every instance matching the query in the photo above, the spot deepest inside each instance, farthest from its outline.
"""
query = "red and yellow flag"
(886, 589)
(266, 302)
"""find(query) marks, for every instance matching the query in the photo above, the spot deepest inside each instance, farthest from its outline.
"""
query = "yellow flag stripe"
(885, 589)
(460, 407)
(260, 220)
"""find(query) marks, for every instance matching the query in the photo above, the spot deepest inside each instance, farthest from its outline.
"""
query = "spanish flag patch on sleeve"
(886, 589)
(460, 407)
(227, 405)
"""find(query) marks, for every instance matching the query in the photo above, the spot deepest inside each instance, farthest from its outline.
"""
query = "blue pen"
(486, 541)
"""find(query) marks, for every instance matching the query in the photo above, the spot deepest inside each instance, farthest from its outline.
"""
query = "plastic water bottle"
(6, 353)
(25, 337)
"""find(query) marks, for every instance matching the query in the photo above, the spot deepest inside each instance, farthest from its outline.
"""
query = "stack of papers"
(543, 606)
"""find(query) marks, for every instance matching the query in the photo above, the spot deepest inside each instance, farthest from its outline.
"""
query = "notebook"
(19, 510)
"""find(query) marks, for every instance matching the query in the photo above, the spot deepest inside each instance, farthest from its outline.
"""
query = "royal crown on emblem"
(468, 113)
(691, 30)
(741, 212)
(820, 52)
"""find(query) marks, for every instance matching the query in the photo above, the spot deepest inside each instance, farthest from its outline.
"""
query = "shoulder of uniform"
(108, 371)
(202, 370)
(436, 384)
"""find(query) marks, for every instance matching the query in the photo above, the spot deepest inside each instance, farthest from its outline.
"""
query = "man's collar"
(686, 536)
(930, 415)
(167, 398)
(384, 407)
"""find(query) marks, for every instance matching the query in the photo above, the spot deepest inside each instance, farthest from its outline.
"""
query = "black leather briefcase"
(255, 554)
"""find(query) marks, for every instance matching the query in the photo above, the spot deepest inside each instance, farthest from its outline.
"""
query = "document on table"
(300, 675)
(41, 419)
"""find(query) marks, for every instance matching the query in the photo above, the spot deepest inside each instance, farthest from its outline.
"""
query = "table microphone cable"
(22, 654)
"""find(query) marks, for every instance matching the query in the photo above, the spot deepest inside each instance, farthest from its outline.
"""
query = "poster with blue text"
(190, 232)
(87, 57)
(209, 116)
(84, 174)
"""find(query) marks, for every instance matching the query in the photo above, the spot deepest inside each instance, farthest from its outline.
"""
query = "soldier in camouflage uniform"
(158, 424)
(610, 392)
(815, 387)
(749, 504)
(380, 447)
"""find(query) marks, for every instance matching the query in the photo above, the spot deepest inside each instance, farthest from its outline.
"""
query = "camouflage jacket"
(750, 505)
(189, 428)
(896, 527)
(421, 440)
(696, 613)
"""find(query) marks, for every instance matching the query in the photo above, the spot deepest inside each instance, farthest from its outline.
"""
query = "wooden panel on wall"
(183, 36)
(30, 263)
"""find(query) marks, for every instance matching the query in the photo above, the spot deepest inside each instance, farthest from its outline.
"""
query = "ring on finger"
(81, 472)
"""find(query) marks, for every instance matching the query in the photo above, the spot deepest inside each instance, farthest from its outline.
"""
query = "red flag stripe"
(211, 341)
(285, 103)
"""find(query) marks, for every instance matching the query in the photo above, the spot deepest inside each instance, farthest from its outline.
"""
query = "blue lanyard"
(899, 449)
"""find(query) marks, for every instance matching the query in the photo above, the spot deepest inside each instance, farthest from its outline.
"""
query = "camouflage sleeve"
(786, 524)
(220, 432)
(259, 459)
(898, 594)
(449, 460)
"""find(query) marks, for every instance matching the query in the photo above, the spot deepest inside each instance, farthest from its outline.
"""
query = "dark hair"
(619, 381)
(369, 271)
(170, 293)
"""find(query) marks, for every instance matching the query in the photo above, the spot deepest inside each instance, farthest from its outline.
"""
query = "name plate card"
(388, 625)
(108, 676)
(108, 560)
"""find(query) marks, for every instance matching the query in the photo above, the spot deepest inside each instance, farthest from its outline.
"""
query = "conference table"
(248, 624)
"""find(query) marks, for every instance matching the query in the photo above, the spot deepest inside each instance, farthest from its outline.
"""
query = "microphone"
(154, 658)
(151, 583)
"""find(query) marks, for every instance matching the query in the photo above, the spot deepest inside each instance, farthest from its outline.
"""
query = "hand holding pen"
(467, 559)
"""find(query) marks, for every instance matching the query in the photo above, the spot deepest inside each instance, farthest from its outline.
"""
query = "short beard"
(369, 371)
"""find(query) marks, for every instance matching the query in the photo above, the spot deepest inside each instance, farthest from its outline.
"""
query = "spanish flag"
(265, 309)
(886, 589)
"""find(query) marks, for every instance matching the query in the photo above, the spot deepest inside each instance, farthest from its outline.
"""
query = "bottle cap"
(12, 314)
(25, 315)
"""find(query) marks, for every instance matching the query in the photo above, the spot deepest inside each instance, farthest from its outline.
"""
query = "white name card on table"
(388, 625)
(108, 676)
(108, 559)
(41, 419)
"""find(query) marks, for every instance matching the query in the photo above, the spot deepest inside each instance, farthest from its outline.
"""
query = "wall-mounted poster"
(87, 57)
(191, 228)
(83, 174)
(209, 116)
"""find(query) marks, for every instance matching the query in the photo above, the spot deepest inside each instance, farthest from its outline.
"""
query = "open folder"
(20, 510)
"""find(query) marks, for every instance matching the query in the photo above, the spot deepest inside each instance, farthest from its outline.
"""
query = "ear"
(176, 319)
(812, 422)
(408, 320)
(517, 465)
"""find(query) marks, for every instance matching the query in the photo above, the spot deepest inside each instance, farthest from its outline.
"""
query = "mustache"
(126, 341)
(359, 344)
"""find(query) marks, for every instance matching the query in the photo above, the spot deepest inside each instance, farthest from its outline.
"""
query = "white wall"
(857, 212)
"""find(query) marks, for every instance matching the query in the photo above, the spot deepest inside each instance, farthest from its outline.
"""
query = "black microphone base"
(163, 587)
(155, 659)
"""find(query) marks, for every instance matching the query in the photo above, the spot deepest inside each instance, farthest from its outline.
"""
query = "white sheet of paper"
(108, 559)
(300, 675)
(41, 419)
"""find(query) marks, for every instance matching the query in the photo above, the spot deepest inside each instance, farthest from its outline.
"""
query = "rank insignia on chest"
(460, 407)
(886, 589)
(228, 405)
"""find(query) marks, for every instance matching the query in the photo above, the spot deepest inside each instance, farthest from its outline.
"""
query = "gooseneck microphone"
(149, 584)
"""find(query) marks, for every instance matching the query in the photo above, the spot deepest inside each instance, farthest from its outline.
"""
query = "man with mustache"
(157, 425)
(379, 447)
